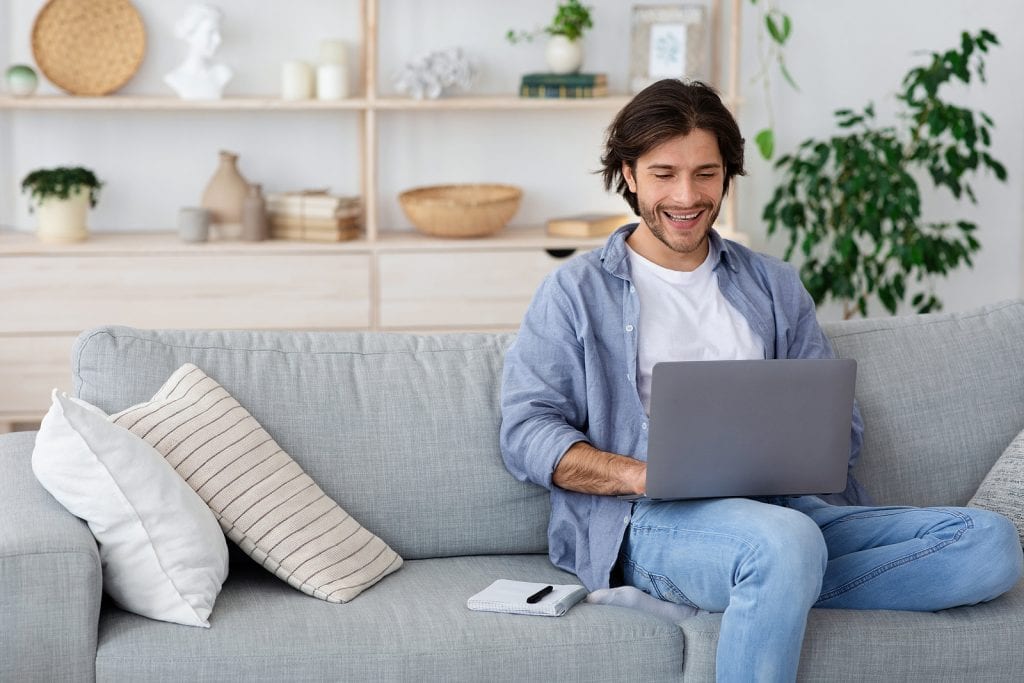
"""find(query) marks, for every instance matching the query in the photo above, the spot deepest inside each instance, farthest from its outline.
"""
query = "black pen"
(536, 597)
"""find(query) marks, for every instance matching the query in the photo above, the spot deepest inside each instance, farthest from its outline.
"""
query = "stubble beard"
(653, 220)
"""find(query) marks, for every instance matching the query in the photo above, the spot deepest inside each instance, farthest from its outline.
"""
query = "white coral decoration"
(429, 75)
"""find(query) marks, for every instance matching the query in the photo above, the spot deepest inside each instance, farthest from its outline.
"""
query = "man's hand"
(585, 469)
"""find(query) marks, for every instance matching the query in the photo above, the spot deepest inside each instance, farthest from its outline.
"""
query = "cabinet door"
(461, 289)
(67, 294)
(30, 368)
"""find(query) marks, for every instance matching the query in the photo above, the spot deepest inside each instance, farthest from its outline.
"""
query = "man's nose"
(686, 192)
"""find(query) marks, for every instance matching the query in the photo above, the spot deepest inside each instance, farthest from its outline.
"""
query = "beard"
(654, 218)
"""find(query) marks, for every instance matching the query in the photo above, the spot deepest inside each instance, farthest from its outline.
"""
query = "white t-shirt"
(683, 316)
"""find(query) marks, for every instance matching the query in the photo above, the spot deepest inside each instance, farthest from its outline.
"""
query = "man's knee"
(789, 549)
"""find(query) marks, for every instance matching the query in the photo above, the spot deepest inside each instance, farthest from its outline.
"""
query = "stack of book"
(313, 215)
(564, 85)
(588, 224)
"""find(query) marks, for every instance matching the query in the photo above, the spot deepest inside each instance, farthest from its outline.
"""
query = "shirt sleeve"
(543, 393)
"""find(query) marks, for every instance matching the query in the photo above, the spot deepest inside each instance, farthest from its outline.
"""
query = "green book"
(568, 80)
(562, 91)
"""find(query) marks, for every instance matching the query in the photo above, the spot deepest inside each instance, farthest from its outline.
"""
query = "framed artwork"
(669, 41)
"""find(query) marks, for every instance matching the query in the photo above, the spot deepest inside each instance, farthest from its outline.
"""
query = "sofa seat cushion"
(873, 645)
(414, 626)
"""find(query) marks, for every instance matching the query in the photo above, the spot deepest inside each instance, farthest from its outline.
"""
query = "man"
(575, 401)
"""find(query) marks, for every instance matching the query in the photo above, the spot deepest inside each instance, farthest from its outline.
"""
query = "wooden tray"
(88, 47)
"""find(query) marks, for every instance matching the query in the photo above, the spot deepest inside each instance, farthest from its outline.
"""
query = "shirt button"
(629, 328)
(643, 426)
(632, 288)
(625, 520)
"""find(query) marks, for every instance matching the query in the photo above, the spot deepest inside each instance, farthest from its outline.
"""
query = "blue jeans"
(765, 564)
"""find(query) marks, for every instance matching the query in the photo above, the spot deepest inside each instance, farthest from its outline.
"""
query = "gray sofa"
(402, 431)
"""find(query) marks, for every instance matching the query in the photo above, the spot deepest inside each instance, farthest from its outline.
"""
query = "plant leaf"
(765, 140)
(774, 30)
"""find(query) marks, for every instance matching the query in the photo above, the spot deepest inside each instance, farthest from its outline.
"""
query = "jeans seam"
(898, 562)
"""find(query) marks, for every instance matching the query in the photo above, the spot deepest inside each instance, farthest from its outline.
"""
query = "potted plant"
(63, 196)
(852, 205)
(564, 51)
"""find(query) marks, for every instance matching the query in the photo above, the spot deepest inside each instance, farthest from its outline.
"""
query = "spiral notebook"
(510, 597)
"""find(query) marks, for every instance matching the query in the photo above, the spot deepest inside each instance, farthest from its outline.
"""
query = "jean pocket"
(656, 585)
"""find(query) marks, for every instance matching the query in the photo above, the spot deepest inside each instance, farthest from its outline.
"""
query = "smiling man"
(575, 404)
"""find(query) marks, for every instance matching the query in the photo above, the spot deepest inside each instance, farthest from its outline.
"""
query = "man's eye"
(662, 176)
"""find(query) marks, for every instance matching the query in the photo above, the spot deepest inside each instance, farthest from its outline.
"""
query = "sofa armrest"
(50, 577)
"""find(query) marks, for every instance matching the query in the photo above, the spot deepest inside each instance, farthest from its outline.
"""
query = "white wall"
(843, 53)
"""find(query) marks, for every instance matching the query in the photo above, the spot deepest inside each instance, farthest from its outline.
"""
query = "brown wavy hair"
(661, 111)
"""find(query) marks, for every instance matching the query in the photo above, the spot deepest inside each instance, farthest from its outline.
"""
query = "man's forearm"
(585, 469)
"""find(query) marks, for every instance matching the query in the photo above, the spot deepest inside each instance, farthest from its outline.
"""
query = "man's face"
(679, 187)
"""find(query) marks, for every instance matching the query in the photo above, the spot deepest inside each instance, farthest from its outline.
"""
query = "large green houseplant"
(851, 204)
(61, 198)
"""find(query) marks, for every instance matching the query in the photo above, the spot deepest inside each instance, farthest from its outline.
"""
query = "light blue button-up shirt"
(570, 376)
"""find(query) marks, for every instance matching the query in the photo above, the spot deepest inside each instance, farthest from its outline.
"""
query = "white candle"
(296, 80)
(331, 82)
(332, 52)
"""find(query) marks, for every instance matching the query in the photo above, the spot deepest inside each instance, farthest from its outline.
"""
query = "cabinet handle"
(560, 253)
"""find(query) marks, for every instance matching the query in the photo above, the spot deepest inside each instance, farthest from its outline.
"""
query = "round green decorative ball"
(21, 80)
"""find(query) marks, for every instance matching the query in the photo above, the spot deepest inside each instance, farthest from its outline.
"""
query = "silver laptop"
(749, 428)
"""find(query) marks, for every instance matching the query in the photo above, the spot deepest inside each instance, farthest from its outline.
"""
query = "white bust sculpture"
(199, 77)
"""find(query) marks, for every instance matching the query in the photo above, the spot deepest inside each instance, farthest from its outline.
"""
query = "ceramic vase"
(223, 198)
(564, 56)
(254, 215)
(63, 220)
(22, 80)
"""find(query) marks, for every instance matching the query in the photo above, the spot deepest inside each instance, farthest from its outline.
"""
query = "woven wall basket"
(89, 47)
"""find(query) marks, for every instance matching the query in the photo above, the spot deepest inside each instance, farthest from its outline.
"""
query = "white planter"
(564, 56)
(63, 220)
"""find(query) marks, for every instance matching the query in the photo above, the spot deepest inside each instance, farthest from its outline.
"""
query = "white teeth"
(684, 217)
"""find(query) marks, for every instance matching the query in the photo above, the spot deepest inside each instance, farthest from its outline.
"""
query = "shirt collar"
(616, 261)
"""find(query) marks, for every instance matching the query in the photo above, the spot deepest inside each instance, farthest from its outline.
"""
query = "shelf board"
(255, 103)
(20, 243)
(162, 103)
(500, 102)
(508, 239)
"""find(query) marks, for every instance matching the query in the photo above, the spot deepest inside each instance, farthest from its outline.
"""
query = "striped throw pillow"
(262, 498)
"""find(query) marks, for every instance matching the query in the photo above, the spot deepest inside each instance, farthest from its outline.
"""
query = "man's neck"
(646, 244)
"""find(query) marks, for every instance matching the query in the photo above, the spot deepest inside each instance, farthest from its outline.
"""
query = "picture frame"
(669, 41)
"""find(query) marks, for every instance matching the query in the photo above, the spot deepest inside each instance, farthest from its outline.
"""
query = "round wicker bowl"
(471, 210)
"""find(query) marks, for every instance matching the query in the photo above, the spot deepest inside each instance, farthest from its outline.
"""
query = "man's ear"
(627, 175)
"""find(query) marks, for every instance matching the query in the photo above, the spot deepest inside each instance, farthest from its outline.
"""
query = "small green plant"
(778, 27)
(852, 206)
(571, 20)
(59, 183)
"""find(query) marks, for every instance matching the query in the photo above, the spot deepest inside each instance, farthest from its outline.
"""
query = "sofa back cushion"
(942, 395)
(400, 430)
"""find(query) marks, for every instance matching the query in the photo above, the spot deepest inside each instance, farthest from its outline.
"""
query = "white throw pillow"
(262, 498)
(163, 553)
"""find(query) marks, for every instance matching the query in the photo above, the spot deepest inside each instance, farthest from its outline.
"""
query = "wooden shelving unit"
(389, 279)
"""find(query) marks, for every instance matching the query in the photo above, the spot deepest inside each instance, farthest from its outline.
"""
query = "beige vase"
(63, 220)
(564, 56)
(223, 198)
